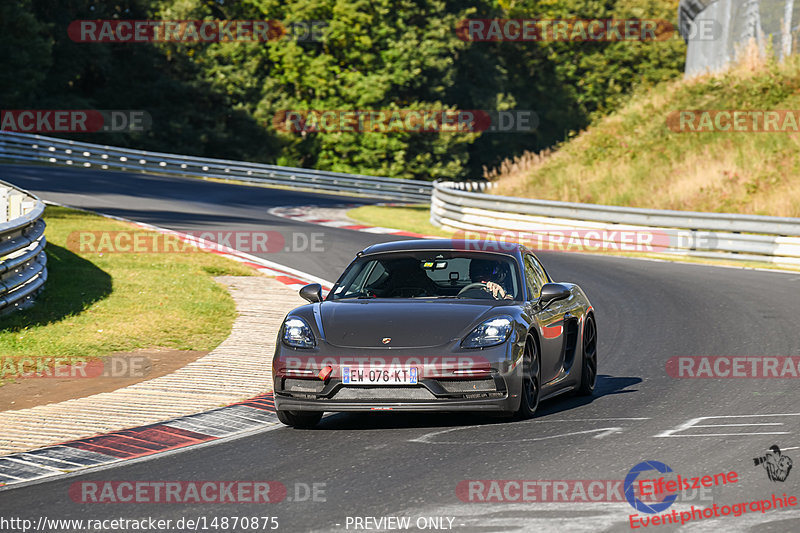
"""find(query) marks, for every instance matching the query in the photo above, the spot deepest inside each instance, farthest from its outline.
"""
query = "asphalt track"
(387, 464)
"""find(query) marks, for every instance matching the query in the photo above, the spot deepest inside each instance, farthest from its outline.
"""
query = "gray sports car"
(435, 325)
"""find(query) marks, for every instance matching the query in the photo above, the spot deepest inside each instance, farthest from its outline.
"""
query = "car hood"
(409, 324)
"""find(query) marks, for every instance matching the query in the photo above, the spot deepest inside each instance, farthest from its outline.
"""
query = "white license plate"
(379, 376)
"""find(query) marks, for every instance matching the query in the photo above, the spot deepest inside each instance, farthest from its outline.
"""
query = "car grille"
(383, 393)
(472, 385)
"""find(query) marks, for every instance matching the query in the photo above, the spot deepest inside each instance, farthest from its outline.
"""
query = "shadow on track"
(606, 385)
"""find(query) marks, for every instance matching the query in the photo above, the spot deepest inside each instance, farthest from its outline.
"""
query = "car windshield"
(430, 274)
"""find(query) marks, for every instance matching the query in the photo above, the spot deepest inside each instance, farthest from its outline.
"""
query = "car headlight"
(297, 334)
(490, 333)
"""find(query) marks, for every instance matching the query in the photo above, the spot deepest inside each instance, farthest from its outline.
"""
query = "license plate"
(379, 376)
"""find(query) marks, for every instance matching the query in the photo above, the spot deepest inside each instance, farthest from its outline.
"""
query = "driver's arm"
(497, 291)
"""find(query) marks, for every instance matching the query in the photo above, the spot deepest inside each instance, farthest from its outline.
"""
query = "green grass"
(632, 157)
(414, 218)
(94, 304)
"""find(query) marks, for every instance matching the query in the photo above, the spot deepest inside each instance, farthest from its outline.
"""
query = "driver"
(492, 274)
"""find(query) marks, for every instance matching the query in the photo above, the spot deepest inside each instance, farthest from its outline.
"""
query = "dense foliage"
(219, 99)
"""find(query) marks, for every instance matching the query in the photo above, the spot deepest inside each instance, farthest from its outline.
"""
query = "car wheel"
(299, 419)
(529, 396)
(589, 366)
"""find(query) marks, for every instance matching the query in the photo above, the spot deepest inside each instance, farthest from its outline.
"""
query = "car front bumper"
(506, 404)
(492, 392)
(449, 378)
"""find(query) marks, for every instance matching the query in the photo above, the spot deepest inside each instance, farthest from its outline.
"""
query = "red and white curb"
(335, 217)
(222, 423)
(68, 457)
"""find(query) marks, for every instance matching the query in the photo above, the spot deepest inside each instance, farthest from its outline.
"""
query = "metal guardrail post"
(26, 147)
(713, 235)
(23, 262)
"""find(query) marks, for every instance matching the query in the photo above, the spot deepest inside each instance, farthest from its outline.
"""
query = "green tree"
(375, 55)
(26, 51)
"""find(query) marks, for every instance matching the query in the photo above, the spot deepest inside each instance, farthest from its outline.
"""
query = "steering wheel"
(408, 292)
(480, 290)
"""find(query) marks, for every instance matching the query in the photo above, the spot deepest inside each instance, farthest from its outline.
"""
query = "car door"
(551, 322)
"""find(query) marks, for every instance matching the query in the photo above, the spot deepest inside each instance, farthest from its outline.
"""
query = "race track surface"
(379, 465)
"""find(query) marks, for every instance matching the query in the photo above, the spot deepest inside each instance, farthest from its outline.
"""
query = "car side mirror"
(552, 292)
(312, 293)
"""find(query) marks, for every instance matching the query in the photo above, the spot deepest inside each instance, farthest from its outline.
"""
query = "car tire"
(589, 363)
(531, 382)
(302, 420)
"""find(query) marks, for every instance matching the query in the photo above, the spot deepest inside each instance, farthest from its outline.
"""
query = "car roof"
(460, 245)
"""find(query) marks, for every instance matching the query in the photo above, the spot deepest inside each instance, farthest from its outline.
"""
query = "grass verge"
(644, 156)
(95, 304)
(413, 218)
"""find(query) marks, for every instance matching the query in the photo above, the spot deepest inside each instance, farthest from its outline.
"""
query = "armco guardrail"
(23, 263)
(27, 147)
(713, 235)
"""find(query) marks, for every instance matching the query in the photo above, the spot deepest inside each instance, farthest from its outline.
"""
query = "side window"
(378, 274)
(532, 278)
(355, 283)
(540, 273)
